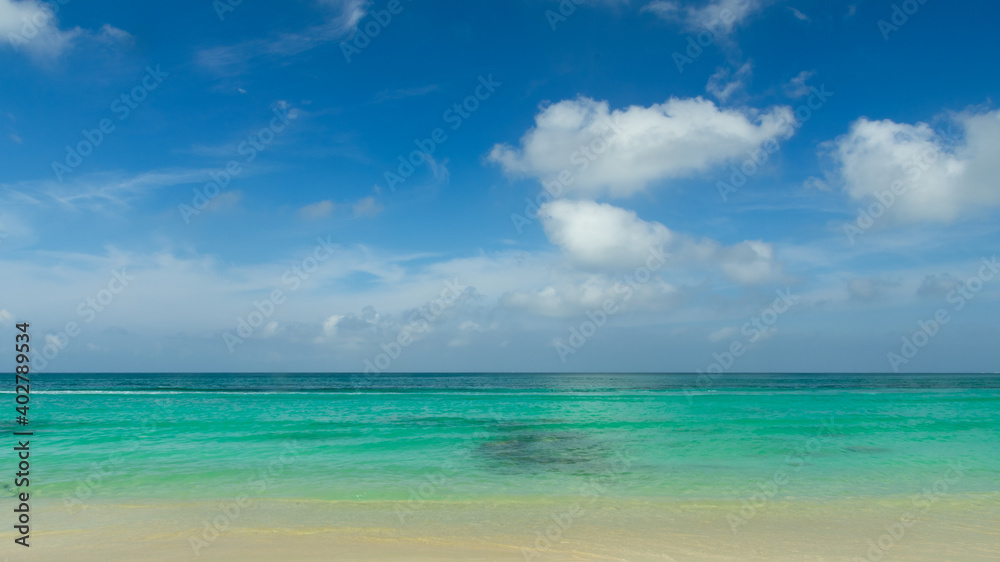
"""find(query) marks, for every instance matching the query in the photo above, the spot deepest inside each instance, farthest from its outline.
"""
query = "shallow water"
(457, 437)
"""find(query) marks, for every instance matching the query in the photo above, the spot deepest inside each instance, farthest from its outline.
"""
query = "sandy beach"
(958, 529)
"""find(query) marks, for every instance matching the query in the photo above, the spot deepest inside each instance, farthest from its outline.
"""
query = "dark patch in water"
(528, 449)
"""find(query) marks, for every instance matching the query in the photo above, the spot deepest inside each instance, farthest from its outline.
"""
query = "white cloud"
(6, 318)
(723, 334)
(319, 210)
(869, 288)
(796, 87)
(367, 207)
(397, 94)
(111, 34)
(749, 262)
(598, 236)
(342, 23)
(621, 152)
(99, 191)
(269, 330)
(719, 16)
(799, 15)
(725, 83)
(938, 183)
(330, 324)
(812, 182)
(937, 286)
(14, 229)
(225, 201)
(181, 290)
(568, 296)
(33, 27)
(664, 9)
(602, 236)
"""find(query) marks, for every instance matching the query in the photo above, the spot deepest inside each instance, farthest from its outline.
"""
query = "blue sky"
(201, 186)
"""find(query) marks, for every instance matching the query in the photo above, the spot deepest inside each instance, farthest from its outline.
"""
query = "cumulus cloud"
(606, 246)
(32, 27)
(934, 182)
(596, 150)
(599, 236)
(330, 324)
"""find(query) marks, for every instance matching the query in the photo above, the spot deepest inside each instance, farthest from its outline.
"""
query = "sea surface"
(467, 437)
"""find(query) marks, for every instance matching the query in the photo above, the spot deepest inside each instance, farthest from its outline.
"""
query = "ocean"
(509, 437)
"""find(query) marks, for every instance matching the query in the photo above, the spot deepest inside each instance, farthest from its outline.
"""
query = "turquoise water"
(459, 437)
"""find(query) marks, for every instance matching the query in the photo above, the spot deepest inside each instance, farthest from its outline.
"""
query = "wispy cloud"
(797, 87)
(99, 192)
(367, 207)
(799, 15)
(319, 210)
(403, 93)
(725, 83)
(720, 16)
(230, 60)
